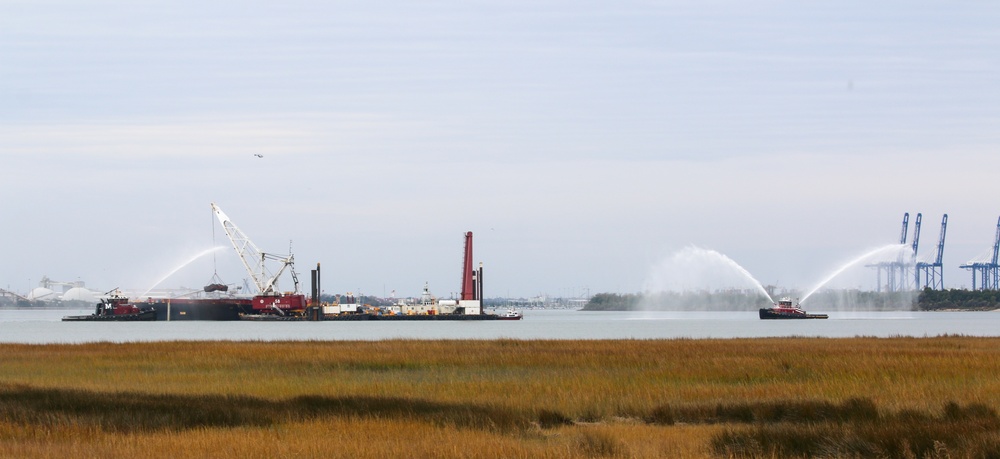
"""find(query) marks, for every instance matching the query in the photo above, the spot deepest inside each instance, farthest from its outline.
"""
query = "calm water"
(44, 326)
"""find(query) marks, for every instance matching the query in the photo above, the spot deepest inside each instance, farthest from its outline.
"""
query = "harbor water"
(45, 326)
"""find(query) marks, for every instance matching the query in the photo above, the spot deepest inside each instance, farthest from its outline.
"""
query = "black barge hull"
(375, 317)
(200, 309)
(142, 316)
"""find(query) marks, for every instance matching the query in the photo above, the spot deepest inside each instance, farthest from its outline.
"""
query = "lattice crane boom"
(996, 244)
(906, 224)
(253, 259)
(940, 247)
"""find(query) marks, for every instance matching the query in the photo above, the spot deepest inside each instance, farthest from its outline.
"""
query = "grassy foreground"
(782, 397)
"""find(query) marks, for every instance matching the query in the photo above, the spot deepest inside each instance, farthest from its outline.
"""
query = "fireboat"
(116, 307)
(784, 309)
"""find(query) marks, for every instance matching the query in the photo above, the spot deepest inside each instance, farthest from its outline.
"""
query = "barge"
(118, 307)
(268, 303)
(199, 308)
(374, 317)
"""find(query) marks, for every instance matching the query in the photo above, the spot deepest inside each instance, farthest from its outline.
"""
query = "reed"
(782, 397)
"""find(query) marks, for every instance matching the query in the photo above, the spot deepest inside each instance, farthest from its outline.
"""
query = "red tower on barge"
(468, 274)
(472, 281)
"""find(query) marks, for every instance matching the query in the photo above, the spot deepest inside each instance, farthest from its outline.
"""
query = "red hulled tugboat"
(784, 309)
(117, 308)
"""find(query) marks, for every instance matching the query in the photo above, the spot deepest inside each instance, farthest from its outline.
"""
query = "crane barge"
(268, 302)
(216, 302)
(268, 299)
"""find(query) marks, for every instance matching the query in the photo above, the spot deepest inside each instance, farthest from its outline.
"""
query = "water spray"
(171, 273)
(683, 261)
(891, 248)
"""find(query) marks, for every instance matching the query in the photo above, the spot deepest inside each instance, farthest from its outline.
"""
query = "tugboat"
(784, 309)
(117, 308)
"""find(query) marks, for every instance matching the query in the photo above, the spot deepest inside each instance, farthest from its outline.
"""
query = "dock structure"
(984, 267)
(898, 276)
(933, 272)
(906, 272)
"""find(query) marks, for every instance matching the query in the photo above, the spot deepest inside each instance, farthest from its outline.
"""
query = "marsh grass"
(129, 412)
(788, 397)
(852, 410)
(968, 431)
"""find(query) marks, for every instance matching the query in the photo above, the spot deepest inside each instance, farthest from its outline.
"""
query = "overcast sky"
(583, 143)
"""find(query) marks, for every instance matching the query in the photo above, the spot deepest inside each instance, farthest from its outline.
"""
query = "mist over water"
(834, 293)
(694, 269)
(891, 252)
(859, 301)
(696, 278)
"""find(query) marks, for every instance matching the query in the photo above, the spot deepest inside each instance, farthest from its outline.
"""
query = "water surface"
(44, 326)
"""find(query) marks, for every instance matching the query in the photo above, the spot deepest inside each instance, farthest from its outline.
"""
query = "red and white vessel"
(785, 309)
(510, 315)
(116, 307)
(268, 299)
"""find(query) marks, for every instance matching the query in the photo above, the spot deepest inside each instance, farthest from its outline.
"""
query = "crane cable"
(215, 264)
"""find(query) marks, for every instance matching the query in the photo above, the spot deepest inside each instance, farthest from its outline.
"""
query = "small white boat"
(510, 315)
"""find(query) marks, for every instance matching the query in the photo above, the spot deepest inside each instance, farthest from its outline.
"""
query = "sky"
(583, 143)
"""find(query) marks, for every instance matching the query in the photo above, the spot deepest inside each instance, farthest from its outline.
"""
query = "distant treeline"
(722, 301)
(926, 300)
(966, 300)
(613, 302)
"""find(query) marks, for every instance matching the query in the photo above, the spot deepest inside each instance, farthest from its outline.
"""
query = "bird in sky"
(258, 155)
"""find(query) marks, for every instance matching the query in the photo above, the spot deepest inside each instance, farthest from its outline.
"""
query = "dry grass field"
(782, 397)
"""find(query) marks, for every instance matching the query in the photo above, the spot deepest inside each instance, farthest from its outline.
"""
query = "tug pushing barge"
(271, 304)
(117, 307)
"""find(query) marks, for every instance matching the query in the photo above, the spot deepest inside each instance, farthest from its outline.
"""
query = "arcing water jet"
(893, 249)
(182, 265)
(695, 268)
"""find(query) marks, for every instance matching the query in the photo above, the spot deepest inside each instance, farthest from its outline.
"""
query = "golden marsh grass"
(782, 397)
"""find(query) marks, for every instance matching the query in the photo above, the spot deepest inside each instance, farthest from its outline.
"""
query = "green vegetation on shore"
(964, 300)
(825, 300)
(788, 397)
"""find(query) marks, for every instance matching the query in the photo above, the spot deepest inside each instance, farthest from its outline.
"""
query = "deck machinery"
(268, 299)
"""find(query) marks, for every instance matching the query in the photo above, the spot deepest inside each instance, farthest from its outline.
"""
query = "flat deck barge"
(375, 317)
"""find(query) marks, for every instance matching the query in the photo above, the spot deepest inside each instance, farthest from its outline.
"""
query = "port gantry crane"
(896, 271)
(934, 272)
(904, 265)
(988, 270)
(268, 297)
